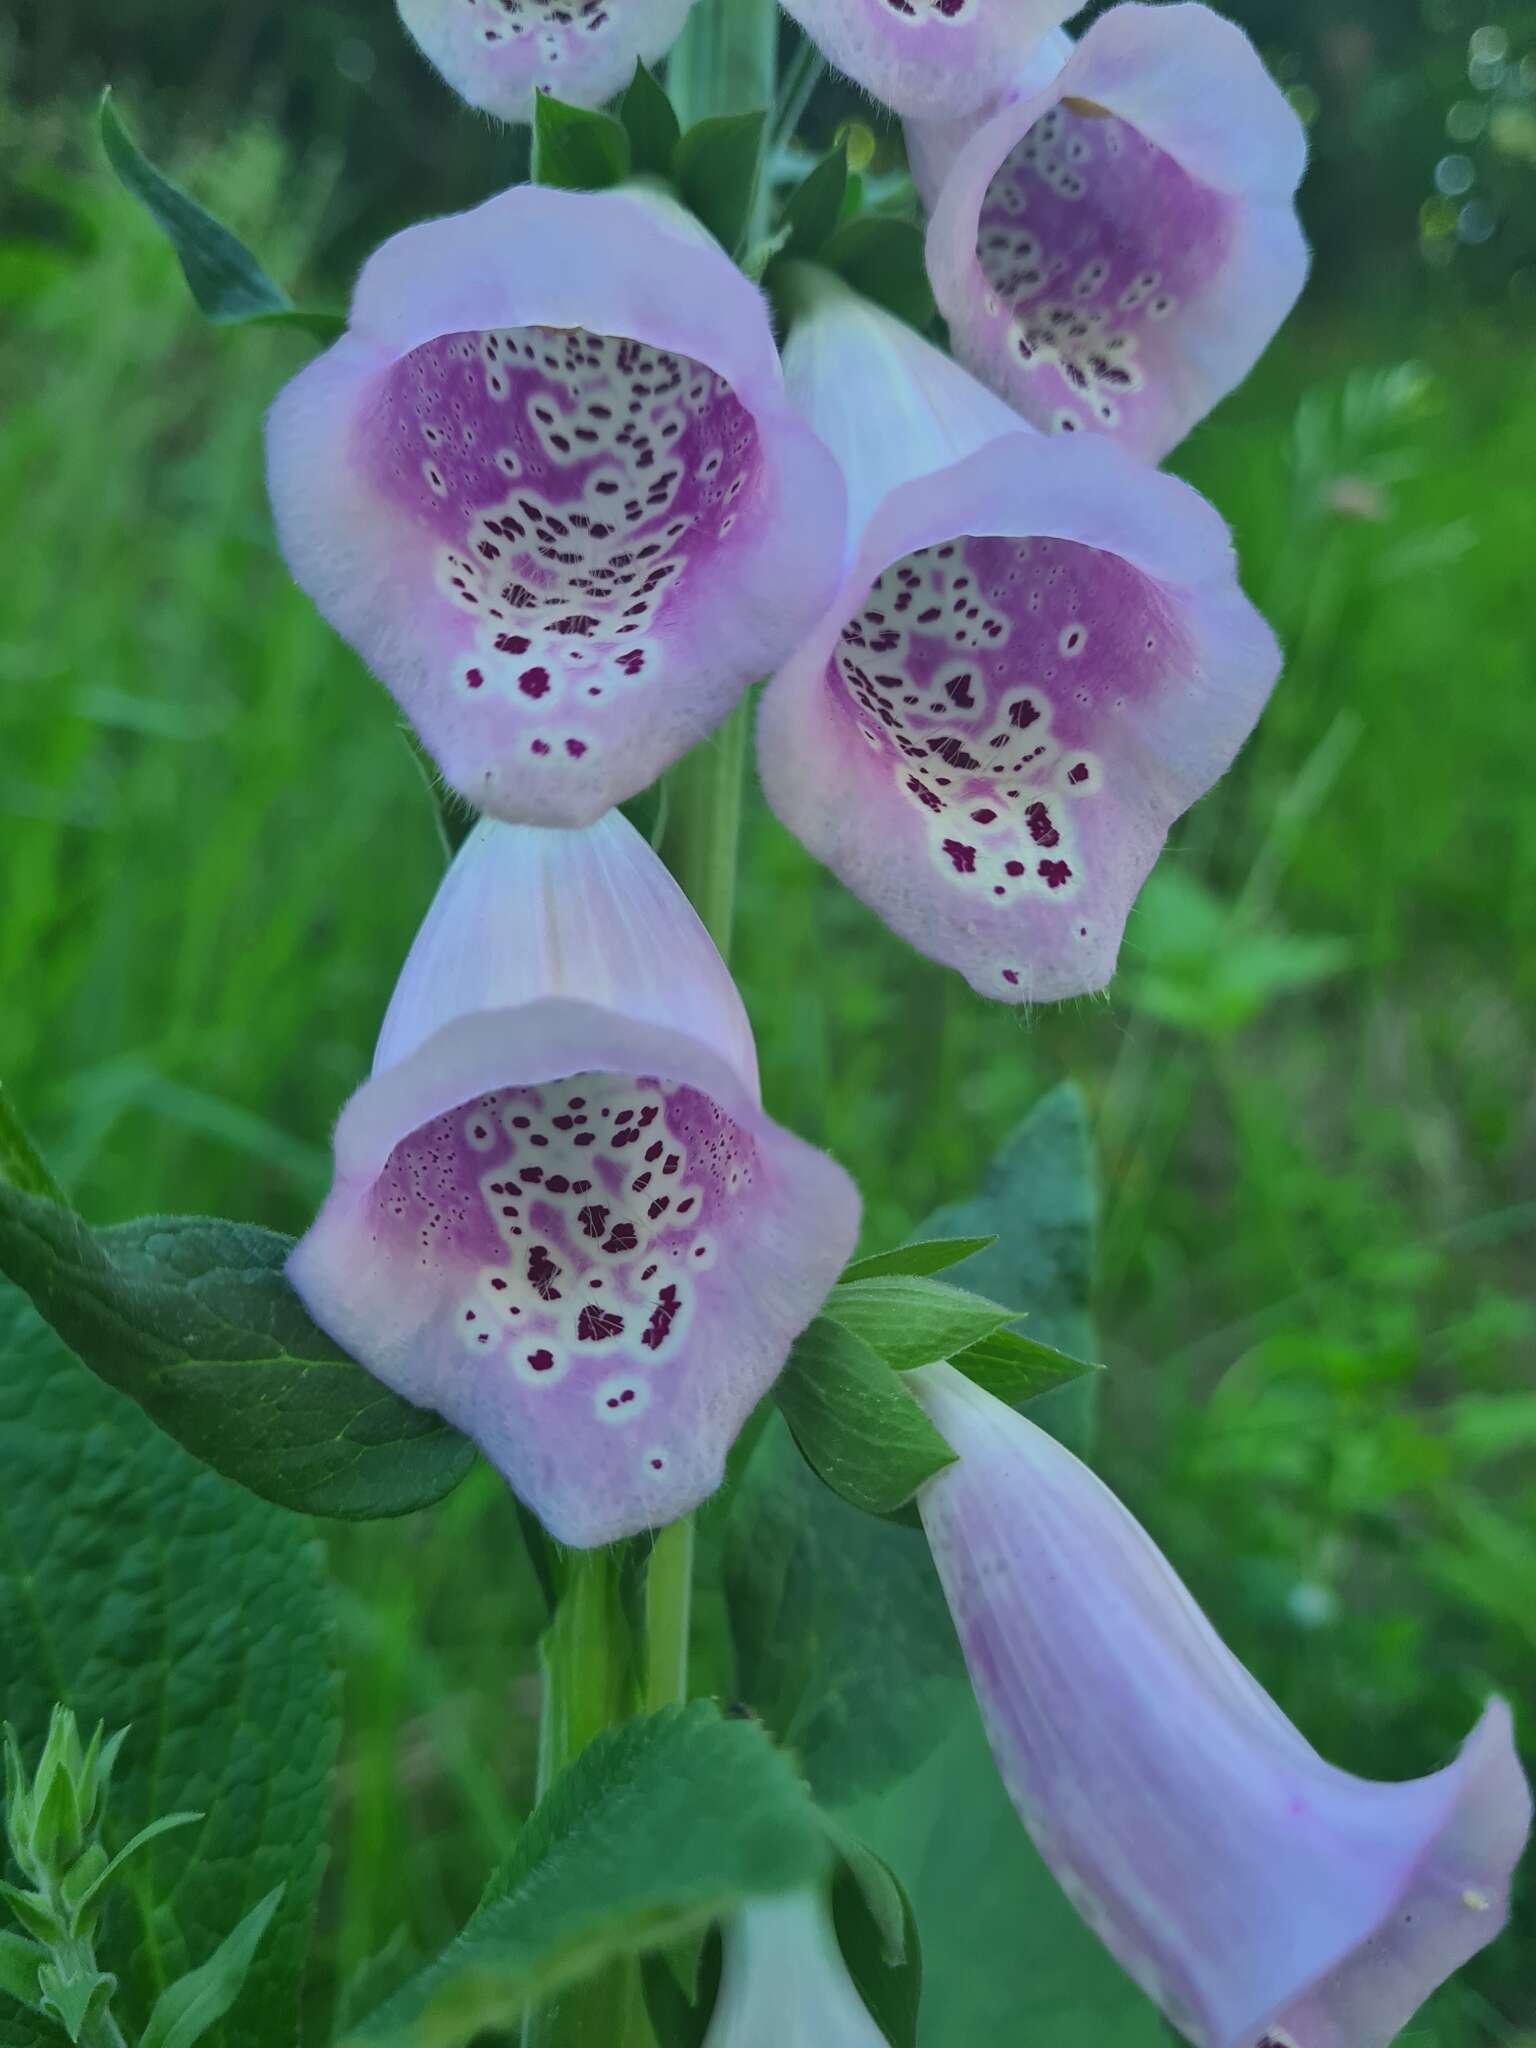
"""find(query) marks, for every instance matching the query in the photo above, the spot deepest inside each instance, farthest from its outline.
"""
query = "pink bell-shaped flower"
(498, 53)
(1114, 248)
(938, 59)
(784, 1983)
(1038, 658)
(1261, 1897)
(560, 1217)
(549, 486)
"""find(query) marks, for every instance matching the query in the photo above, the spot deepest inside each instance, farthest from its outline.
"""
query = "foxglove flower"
(1263, 1898)
(498, 53)
(784, 1983)
(1039, 657)
(941, 59)
(1114, 250)
(560, 1216)
(549, 486)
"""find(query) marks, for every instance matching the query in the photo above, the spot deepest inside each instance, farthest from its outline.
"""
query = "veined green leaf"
(912, 1320)
(929, 1255)
(858, 1427)
(657, 1829)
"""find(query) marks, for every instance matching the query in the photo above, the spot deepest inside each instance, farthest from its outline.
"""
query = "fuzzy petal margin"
(1114, 252)
(559, 1219)
(549, 486)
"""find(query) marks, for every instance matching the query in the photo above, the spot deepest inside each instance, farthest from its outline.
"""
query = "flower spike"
(1115, 249)
(498, 53)
(1263, 1898)
(549, 486)
(1039, 658)
(559, 1215)
(784, 1983)
(935, 59)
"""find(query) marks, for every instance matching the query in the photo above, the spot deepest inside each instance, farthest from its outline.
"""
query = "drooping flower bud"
(1038, 659)
(498, 53)
(1262, 1897)
(560, 1216)
(1114, 249)
(549, 486)
(784, 1983)
(938, 59)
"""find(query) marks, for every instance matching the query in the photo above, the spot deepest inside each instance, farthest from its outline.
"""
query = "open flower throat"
(583, 1215)
(1094, 240)
(570, 482)
(987, 671)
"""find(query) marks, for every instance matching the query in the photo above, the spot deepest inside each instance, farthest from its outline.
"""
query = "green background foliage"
(1309, 1087)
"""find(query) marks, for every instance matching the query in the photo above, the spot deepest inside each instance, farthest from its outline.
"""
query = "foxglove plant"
(498, 54)
(548, 484)
(1038, 658)
(553, 482)
(1115, 247)
(1263, 1898)
(560, 1216)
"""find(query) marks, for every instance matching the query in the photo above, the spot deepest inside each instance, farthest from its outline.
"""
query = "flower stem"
(723, 63)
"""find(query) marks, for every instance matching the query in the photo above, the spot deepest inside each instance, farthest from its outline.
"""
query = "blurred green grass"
(1311, 1083)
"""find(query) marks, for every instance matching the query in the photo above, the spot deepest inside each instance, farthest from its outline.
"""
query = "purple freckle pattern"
(987, 674)
(1093, 239)
(932, 10)
(575, 1226)
(508, 21)
(566, 487)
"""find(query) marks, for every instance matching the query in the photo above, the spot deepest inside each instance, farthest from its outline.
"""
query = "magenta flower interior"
(1094, 240)
(986, 676)
(571, 491)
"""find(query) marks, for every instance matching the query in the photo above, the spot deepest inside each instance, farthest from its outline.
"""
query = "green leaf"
(857, 1425)
(1017, 1369)
(575, 148)
(1006, 1957)
(877, 1933)
(193, 1318)
(843, 1643)
(650, 124)
(932, 1255)
(883, 259)
(186, 2009)
(910, 1320)
(816, 205)
(225, 279)
(715, 167)
(1039, 1195)
(138, 1585)
(19, 1960)
(657, 1829)
(165, 1825)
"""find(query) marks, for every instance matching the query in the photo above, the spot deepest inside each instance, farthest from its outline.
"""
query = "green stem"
(21, 1164)
(723, 63)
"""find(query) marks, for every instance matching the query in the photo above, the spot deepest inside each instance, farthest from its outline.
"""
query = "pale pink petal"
(498, 53)
(1262, 1897)
(784, 1983)
(934, 144)
(941, 59)
(1114, 252)
(1039, 659)
(560, 1216)
(549, 486)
